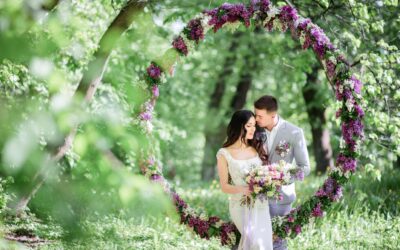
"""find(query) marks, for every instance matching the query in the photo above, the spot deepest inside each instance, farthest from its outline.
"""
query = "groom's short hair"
(267, 102)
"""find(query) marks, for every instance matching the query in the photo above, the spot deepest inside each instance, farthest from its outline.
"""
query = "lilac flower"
(303, 25)
(261, 5)
(155, 91)
(351, 129)
(179, 45)
(226, 229)
(192, 221)
(178, 201)
(287, 229)
(359, 111)
(146, 116)
(297, 229)
(288, 14)
(307, 42)
(347, 163)
(194, 30)
(357, 84)
(155, 177)
(338, 112)
(338, 194)
(213, 219)
(330, 68)
(202, 228)
(320, 193)
(154, 71)
(317, 211)
(270, 24)
(229, 13)
(330, 189)
(320, 41)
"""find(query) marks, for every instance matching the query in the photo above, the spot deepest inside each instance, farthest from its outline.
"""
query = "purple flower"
(179, 45)
(307, 42)
(146, 116)
(213, 219)
(338, 112)
(317, 211)
(303, 24)
(288, 14)
(359, 111)
(357, 84)
(155, 177)
(154, 71)
(320, 41)
(351, 129)
(270, 24)
(155, 91)
(338, 194)
(178, 201)
(229, 13)
(330, 189)
(290, 219)
(297, 229)
(287, 229)
(347, 163)
(320, 193)
(194, 30)
(226, 229)
(330, 68)
(261, 5)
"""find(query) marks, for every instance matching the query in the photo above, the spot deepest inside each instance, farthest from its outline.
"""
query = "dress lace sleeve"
(222, 152)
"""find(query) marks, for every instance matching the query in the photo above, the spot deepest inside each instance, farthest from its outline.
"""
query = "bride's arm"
(223, 179)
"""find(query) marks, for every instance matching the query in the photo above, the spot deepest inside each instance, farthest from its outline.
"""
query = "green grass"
(366, 218)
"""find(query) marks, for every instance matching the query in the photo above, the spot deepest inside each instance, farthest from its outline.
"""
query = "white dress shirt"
(271, 134)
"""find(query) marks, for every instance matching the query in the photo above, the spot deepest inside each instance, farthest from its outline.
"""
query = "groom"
(282, 141)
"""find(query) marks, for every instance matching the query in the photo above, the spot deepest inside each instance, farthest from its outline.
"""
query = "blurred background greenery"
(92, 196)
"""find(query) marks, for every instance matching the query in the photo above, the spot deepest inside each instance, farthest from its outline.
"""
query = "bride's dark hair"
(236, 130)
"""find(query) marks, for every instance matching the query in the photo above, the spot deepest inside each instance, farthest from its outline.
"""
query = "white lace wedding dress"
(254, 224)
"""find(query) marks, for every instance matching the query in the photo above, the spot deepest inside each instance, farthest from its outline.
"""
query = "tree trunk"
(216, 135)
(316, 115)
(397, 163)
(90, 81)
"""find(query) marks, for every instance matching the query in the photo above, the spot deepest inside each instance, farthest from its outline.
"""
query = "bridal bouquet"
(266, 181)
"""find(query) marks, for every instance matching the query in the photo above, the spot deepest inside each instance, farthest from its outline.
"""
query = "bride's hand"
(245, 190)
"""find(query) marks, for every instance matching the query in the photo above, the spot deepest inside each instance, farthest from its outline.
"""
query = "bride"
(238, 154)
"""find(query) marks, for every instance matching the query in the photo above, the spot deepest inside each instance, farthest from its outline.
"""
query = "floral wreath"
(346, 86)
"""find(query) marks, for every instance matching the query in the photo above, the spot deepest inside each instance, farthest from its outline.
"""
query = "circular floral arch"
(347, 90)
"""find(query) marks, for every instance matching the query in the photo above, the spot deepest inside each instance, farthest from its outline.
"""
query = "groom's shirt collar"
(272, 134)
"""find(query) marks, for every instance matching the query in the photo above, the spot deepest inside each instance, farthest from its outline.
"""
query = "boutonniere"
(282, 148)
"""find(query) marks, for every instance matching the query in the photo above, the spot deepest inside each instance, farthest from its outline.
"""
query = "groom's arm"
(301, 153)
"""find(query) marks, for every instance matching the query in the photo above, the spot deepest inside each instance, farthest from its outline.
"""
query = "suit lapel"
(277, 139)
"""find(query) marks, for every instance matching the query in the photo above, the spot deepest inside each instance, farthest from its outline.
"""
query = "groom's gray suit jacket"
(293, 135)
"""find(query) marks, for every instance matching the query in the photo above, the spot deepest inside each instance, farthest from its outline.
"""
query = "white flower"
(248, 178)
(257, 189)
(341, 89)
(349, 105)
(203, 216)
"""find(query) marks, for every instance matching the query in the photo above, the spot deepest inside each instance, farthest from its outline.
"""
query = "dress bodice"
(238, 169)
